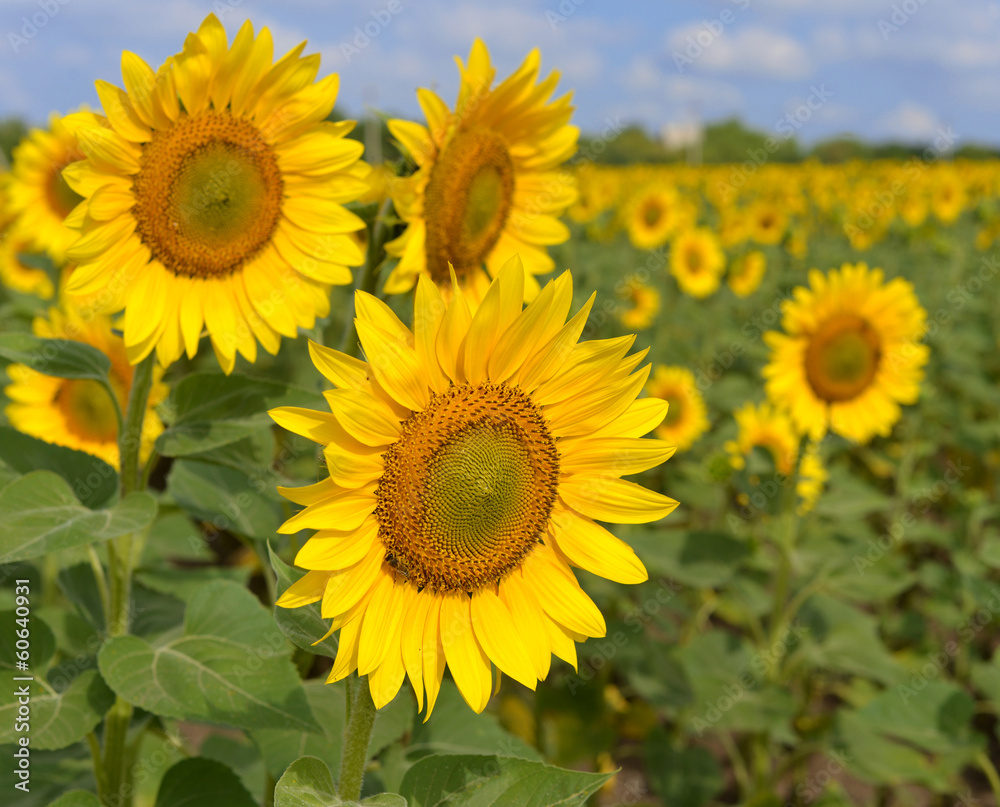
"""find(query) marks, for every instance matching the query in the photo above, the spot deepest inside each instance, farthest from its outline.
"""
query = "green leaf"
(94, 482)
(42, 642)
(698, 559)
(41, 515)
(56, 720)
(202, 783)
(308, 783)
(214, 410)
(304, 625)
(80, 587)
(77, 798)
(64, 358)
(227, 497)
(933, 715)
(230, 666)
(685, 777)
(848, 498)
(730, 689)
(471, 781)
(185, 582)
(282, 746)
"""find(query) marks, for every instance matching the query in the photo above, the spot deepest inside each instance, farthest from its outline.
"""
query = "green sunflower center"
(651, 214)
(842, 358)
(468, 200)
(675, 411)
(88, 410)
(468, 488)
(208, 195)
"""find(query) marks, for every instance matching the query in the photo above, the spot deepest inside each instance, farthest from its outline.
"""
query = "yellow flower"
(771, 428)
(687, 418)
(653, 217)
(214, 196)
(14, 272)
(468, 462)
(850, 354)
(645, 306)
(79, 413)
(767, 427)
(697, 261)
(767, 222)
(746, 273)
(38, 195)
(486, 187)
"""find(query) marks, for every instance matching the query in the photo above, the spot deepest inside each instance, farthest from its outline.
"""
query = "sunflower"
(771, 428)
(697, 261)
(850, 354)
(653, 217)
(78, 413)
(645, 306)
(767, 222)
(687, 418)
(486, 185)
(764, 426)
(37, 193)
(746, 273)
(213, 195)
(15, 273)
(468, 462)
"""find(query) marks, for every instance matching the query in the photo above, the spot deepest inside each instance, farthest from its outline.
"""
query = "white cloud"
(909, 122)
(752, 51)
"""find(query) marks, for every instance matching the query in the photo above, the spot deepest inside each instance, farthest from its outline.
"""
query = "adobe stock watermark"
(901, 14)
(697, 42)
(31, 26)
(565, 10)
(364, 34)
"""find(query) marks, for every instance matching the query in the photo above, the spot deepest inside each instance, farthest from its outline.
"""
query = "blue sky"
(902, 69)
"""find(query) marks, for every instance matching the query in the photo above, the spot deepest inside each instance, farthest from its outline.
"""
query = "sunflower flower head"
(38, 196)
(214, 191)
(687, 417)
(470, 460)
(850, 353)
(78, 412)
(697, 262)
(487, 185)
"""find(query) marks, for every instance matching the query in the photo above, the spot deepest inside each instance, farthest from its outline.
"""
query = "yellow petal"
(307, 589)
(620, 456)
(528, 616)
(591, 547)
(560, 595)
(606, 498)
(499, 636)
(470, 667)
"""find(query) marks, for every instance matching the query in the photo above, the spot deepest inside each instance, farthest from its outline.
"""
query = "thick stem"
(118, 788)
(357, 735)
(379, 234)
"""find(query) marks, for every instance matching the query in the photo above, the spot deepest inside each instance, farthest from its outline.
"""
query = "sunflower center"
(61, 196)
(675, 411)
(468, 488)
(88, 410)
(842, 358)
(467, 202)
(694, 262)
(652, 214)
(208, 195)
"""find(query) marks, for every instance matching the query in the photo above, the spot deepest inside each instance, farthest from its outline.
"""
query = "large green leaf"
(56, 720)
(308, 783)
(41, 515)
(202, 783)
(41, 640)
(280, 747)
(64, 358)
(685, 777)
(304, 625)
(224, 496)
(698, 559)
(214, 410)
(230, 666)
(94, 482)
(471, 781)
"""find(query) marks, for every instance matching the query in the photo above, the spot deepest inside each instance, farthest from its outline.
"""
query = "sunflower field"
(311, 470)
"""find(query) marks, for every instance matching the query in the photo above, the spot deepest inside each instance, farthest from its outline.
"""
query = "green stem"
(118, 788)
(357, 735)
(379, 234)
(990, 772)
